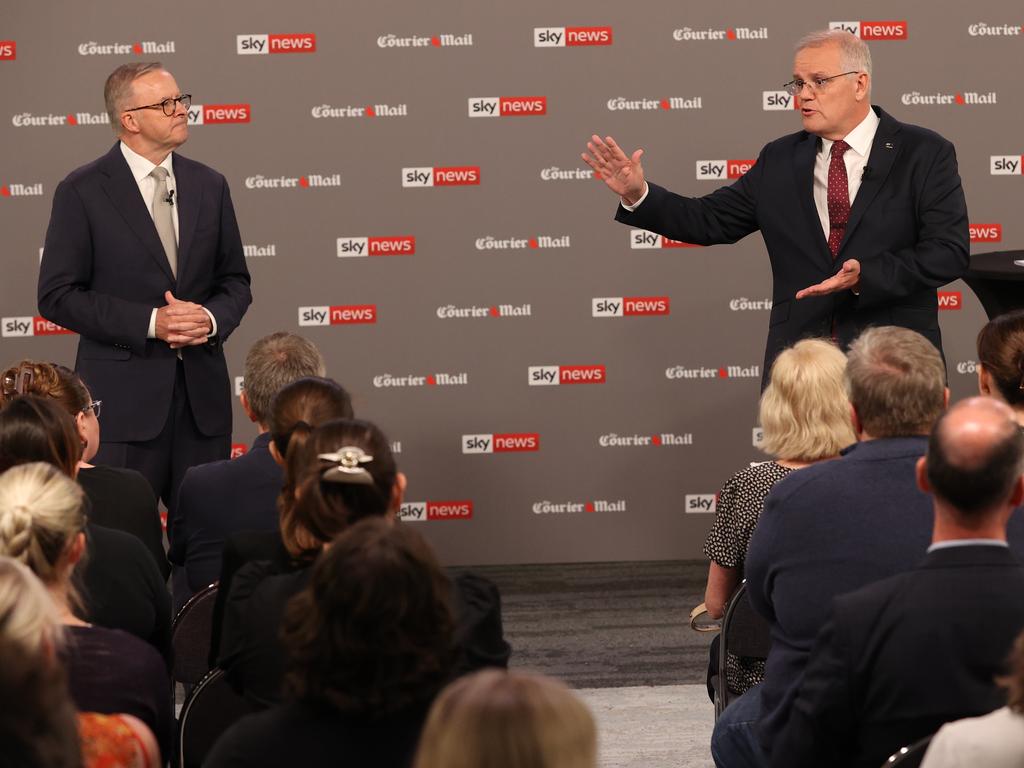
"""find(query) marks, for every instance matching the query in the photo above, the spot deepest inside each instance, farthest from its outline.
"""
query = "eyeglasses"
(817, 84)
(94, 406)
(169, 106)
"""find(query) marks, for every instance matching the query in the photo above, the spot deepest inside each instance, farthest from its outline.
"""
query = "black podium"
(997, 281)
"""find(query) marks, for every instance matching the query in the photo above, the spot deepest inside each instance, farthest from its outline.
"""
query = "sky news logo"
(345, 314)
(369, 110)
(508, 106)
(642, 239)
(986, 233)
(722, 169)
(421, 511)
(22, 190)
(19, 327)
(630, 306)
(1005, 165)
(570, 37)
(451, 176)
(614, 440)
(873, 30)
(778, 101)
(503, 443)
(450, 311)
(689, 34)
(238, 449)
(725, 372)
(700, 503)
(419, 41)
(575, 507)
(554, 375)
(951, 300)
(215, 114)
(357, 247)
(28, 120)
(143, 48)
(387, 381)
(8, 50)
(287, 43)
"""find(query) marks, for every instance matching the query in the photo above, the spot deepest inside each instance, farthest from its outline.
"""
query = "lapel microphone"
(866, 174)
(170, 196)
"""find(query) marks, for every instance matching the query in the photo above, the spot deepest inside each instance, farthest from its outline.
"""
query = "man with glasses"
(144, 260)
(863, 216)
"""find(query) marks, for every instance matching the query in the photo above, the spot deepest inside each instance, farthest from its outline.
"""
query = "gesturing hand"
(847, 278)
(182, 323)
(623, 174)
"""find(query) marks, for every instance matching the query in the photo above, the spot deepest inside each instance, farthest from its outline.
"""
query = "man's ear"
(243, 398)
(945, 398)
(1017, 495)
(921, 475)
(857, 426)
(398, 491)
(984, 380)
(275, 454)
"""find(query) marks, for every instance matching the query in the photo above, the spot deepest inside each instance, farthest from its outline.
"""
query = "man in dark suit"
(143, 258)
(900, 657)
(863, 216)
(223, 498)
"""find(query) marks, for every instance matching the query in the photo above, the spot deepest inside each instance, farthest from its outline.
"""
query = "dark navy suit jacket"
(907, 227)
(104, 270)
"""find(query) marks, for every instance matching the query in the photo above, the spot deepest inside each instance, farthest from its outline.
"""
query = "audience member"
(508, 720)
(109, 671)
(369, 643)
(1001, 361)
(119, 498)
(955, 616)
(120, 584)
(225, 497)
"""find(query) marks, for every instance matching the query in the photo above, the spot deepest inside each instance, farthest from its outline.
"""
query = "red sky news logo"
(554, 375)
(293, 182)
(289, 43)
(643, 239)
(1005, 165)
(688, 34)
(951, 300)
(630, 306)
(8, 50)
(143, 48)
(614, 440)
(620, 104)
(504, 443)
(873, 30)
(22, 190)
(212, 114)
(28, 120)
(339, 315)
(420, 511)
(986, 233)
(722, 169)
(725, 372)
(562, 37)
(355, 247)
(961, 98)
(368, 110)
(387, 381)
(238, 449)
(434, 41)
(988, 30)
(14, 327)
(451, 176)
(450, 311)
(700, 503)
(574, 507)
(778, 101)
(508, 106)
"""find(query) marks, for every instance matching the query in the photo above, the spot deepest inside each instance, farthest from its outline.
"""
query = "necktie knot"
(838, 148)
(159, 173)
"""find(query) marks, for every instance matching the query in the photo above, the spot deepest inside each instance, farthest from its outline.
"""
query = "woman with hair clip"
(335, 475)
(1001, 361)
(120, 498)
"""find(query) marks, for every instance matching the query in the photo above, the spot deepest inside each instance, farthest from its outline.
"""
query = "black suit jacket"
(104, 270)
(903, 656)
(907, 227)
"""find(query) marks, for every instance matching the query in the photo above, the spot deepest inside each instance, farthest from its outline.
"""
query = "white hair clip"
(347, 467)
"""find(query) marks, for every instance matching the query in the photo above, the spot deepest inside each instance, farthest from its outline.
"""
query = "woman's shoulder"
(758, 474)
(125, 651)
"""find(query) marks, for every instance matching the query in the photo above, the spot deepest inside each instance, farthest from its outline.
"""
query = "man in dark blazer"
(863, 216)
(144, 260)
(226, 497)
(901, 657)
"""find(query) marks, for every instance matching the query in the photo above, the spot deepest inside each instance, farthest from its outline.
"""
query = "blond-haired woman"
(508, 720)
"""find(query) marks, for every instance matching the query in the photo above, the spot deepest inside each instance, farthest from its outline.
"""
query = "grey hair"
(274, 362)
(119, 87)
(853, 52)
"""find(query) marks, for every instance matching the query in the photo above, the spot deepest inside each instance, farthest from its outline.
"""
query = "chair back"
(909, 757)
(744, 633)
(211, 708)
(190, 637)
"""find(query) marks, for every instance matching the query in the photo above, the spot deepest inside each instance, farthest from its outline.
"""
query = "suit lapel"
(803, 170)
(884, 150)
(123, 192)
(189, 200)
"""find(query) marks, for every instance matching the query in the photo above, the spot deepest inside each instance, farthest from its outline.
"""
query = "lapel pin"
(888, 145)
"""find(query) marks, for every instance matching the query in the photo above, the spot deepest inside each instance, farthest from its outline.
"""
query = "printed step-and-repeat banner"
(408, 184)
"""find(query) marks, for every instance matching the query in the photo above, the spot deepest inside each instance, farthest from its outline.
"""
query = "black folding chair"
(190, 637)
(744, 633)
(210, 709)
(909, 757)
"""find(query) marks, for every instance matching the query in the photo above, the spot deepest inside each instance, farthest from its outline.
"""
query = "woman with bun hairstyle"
(1001, 361)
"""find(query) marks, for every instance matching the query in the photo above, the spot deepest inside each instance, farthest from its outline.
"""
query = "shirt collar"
(951, 543)
(141, 167)
(859, 138)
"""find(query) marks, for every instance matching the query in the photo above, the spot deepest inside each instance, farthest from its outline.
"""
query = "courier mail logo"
(358, 247)
(562, 37)
(630, 306)
(508, 106)
(213, 114)
(873, 30)
(22, 190)
(642, 239)
(967, 367)
(985, 30)
(689, 34)
(387, 381)
(986, 233)
(722, 169)
(620, 104)
(420, 511)
(28, 120)
(8, 50)
(724, 372)
(293, 182)
(700, 503)
(451, 176)
(778, 101)
(573, 507)
(144, 48)
(504, 443)
(447, 40)
(554, 375)
(15, 327)
(1005, 165)
(555, 173)
(302, 42)
(345, 314)
(491, 243)
(614, 440)
(451, 311)
(369, 110)
(951, 300)
(960, 98)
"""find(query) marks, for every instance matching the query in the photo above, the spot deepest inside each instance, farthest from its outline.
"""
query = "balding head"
(975, 456)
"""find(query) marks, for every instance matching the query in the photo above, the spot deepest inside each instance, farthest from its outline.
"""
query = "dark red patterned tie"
(838, 197)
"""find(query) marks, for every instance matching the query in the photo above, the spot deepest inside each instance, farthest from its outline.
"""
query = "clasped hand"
(182, 323)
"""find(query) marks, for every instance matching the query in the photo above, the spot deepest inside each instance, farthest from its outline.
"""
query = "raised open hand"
(623, 173)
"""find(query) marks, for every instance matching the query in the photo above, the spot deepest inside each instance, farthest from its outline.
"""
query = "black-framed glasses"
(94, 406)
(816, 84)
(169, 106)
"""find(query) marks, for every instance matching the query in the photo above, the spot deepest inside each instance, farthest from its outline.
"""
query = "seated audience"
(109, 671)
(119, 582)
(221, 498)
(995, 740)
(119, 498)
(508, 720)
(805, 416)
(900, 657)
(1001, 361)
(335, 475)
(369, 644)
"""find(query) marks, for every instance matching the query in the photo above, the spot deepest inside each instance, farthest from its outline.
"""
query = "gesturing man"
(863, 216)
(144, 260)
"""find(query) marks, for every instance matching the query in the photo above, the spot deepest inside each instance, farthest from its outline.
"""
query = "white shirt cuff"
(213, 322)
(151, 333)
(638, 203)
